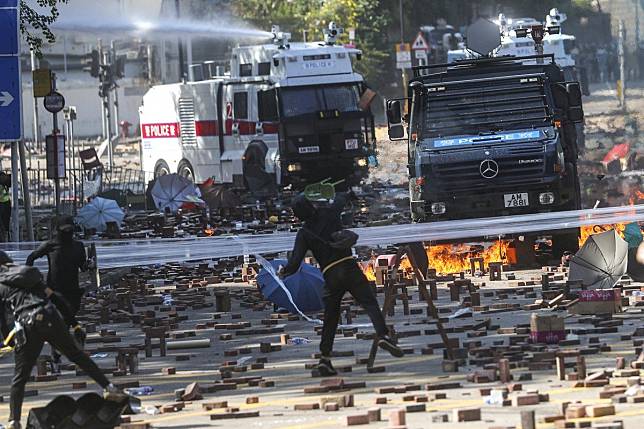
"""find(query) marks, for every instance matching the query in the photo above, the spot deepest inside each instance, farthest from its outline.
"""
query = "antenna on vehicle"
(331, 33)
(280, 38)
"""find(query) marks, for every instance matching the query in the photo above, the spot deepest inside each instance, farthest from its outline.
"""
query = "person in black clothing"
(66, 257)
(341, 274)
(24, 296)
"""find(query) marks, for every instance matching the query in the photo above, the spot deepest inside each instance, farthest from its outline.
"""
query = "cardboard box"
(602, 301)
(549, 329)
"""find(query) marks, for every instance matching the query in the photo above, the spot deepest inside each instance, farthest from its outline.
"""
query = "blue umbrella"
(305, 286)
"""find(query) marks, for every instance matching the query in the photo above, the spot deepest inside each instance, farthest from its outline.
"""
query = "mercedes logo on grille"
(489, 169)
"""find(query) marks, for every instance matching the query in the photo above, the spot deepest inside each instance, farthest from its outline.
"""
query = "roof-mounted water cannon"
(331, 34)
(280, 38)
(483, 37)
(555, 18)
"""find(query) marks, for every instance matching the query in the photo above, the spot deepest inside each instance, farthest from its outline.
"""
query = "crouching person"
(341, 274)
(37, 320)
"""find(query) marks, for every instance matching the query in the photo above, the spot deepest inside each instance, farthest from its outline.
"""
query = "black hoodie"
(319, 224)
(66, 257)
(21, 287)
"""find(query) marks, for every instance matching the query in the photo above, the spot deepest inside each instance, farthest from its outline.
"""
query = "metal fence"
(80, 185)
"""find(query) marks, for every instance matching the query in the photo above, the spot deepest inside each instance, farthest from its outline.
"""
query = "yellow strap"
(333, 264)
(9, 337)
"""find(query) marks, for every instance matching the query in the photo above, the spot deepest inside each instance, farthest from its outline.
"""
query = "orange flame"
(454, 258)
(209, 232)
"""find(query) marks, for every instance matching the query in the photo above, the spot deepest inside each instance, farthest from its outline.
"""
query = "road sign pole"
(36, 145)
(15, 194)
(55, 132)
(26, 196)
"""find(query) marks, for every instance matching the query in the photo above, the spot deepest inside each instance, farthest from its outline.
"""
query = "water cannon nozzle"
(280, 38)
(331, 33)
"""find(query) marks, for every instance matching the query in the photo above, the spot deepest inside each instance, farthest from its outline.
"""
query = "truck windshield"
(483, 106)
(304, 100)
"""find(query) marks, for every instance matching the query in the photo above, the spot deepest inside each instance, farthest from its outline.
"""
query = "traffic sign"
(403, 56)
(420, 54)
(9, 25)
(54, 102)
(420, 44)
(10, 84)
(42, 82)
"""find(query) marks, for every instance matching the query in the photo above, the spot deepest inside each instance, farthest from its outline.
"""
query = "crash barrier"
(127, 253)
(79, 184)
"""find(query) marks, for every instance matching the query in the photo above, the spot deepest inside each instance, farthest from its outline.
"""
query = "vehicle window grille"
(187, 120)
(466, 107)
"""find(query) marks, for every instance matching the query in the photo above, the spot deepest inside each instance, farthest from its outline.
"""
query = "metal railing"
(78, 185)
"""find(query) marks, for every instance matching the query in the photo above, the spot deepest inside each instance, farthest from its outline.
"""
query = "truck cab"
(492, 136)
(285, 114)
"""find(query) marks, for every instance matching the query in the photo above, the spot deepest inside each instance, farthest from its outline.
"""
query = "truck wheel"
(185, 170)
(161, 169)
(258, 181)
(563, 241)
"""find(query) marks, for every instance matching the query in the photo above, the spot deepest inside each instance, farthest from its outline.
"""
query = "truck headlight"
(439, 208)
(362, 162)
(291, 168)
(546, 198)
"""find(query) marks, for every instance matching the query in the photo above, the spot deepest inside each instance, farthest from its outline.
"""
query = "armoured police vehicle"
(286, 114)
(491, 136)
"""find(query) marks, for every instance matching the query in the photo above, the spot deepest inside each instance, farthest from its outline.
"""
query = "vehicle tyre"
(565, 241)
(185, 170)
(258, 181)
(161, 169)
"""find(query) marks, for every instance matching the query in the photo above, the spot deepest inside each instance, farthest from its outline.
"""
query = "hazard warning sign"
(420, 44)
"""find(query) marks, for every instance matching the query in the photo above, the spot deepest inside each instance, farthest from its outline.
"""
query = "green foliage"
(35, 25)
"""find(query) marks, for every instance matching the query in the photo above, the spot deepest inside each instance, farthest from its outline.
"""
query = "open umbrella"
(171, 191)
(305, 286)
(99, 212)
(601, 261)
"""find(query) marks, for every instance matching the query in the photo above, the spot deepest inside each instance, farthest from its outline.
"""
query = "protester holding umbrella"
(341, 274)
(66, 257)
(24, 294)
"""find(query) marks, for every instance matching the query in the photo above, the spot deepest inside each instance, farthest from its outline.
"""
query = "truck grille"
(452, 175)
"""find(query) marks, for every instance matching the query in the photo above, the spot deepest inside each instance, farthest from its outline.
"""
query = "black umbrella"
(601, 262)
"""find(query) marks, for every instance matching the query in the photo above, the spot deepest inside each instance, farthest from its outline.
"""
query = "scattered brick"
(397, 417)
(358, 419)
(600, 410)
(467, 415)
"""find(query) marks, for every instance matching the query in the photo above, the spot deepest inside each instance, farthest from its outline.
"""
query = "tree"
(34, 25)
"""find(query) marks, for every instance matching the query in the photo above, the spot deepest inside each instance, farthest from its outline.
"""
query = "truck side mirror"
(574, 94)
(575, 114)
(575, 111)
(396, 129)
(394, 112)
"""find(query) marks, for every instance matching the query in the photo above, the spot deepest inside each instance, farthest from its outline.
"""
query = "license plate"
(516, 200)
(309, 149)
(351, 144)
